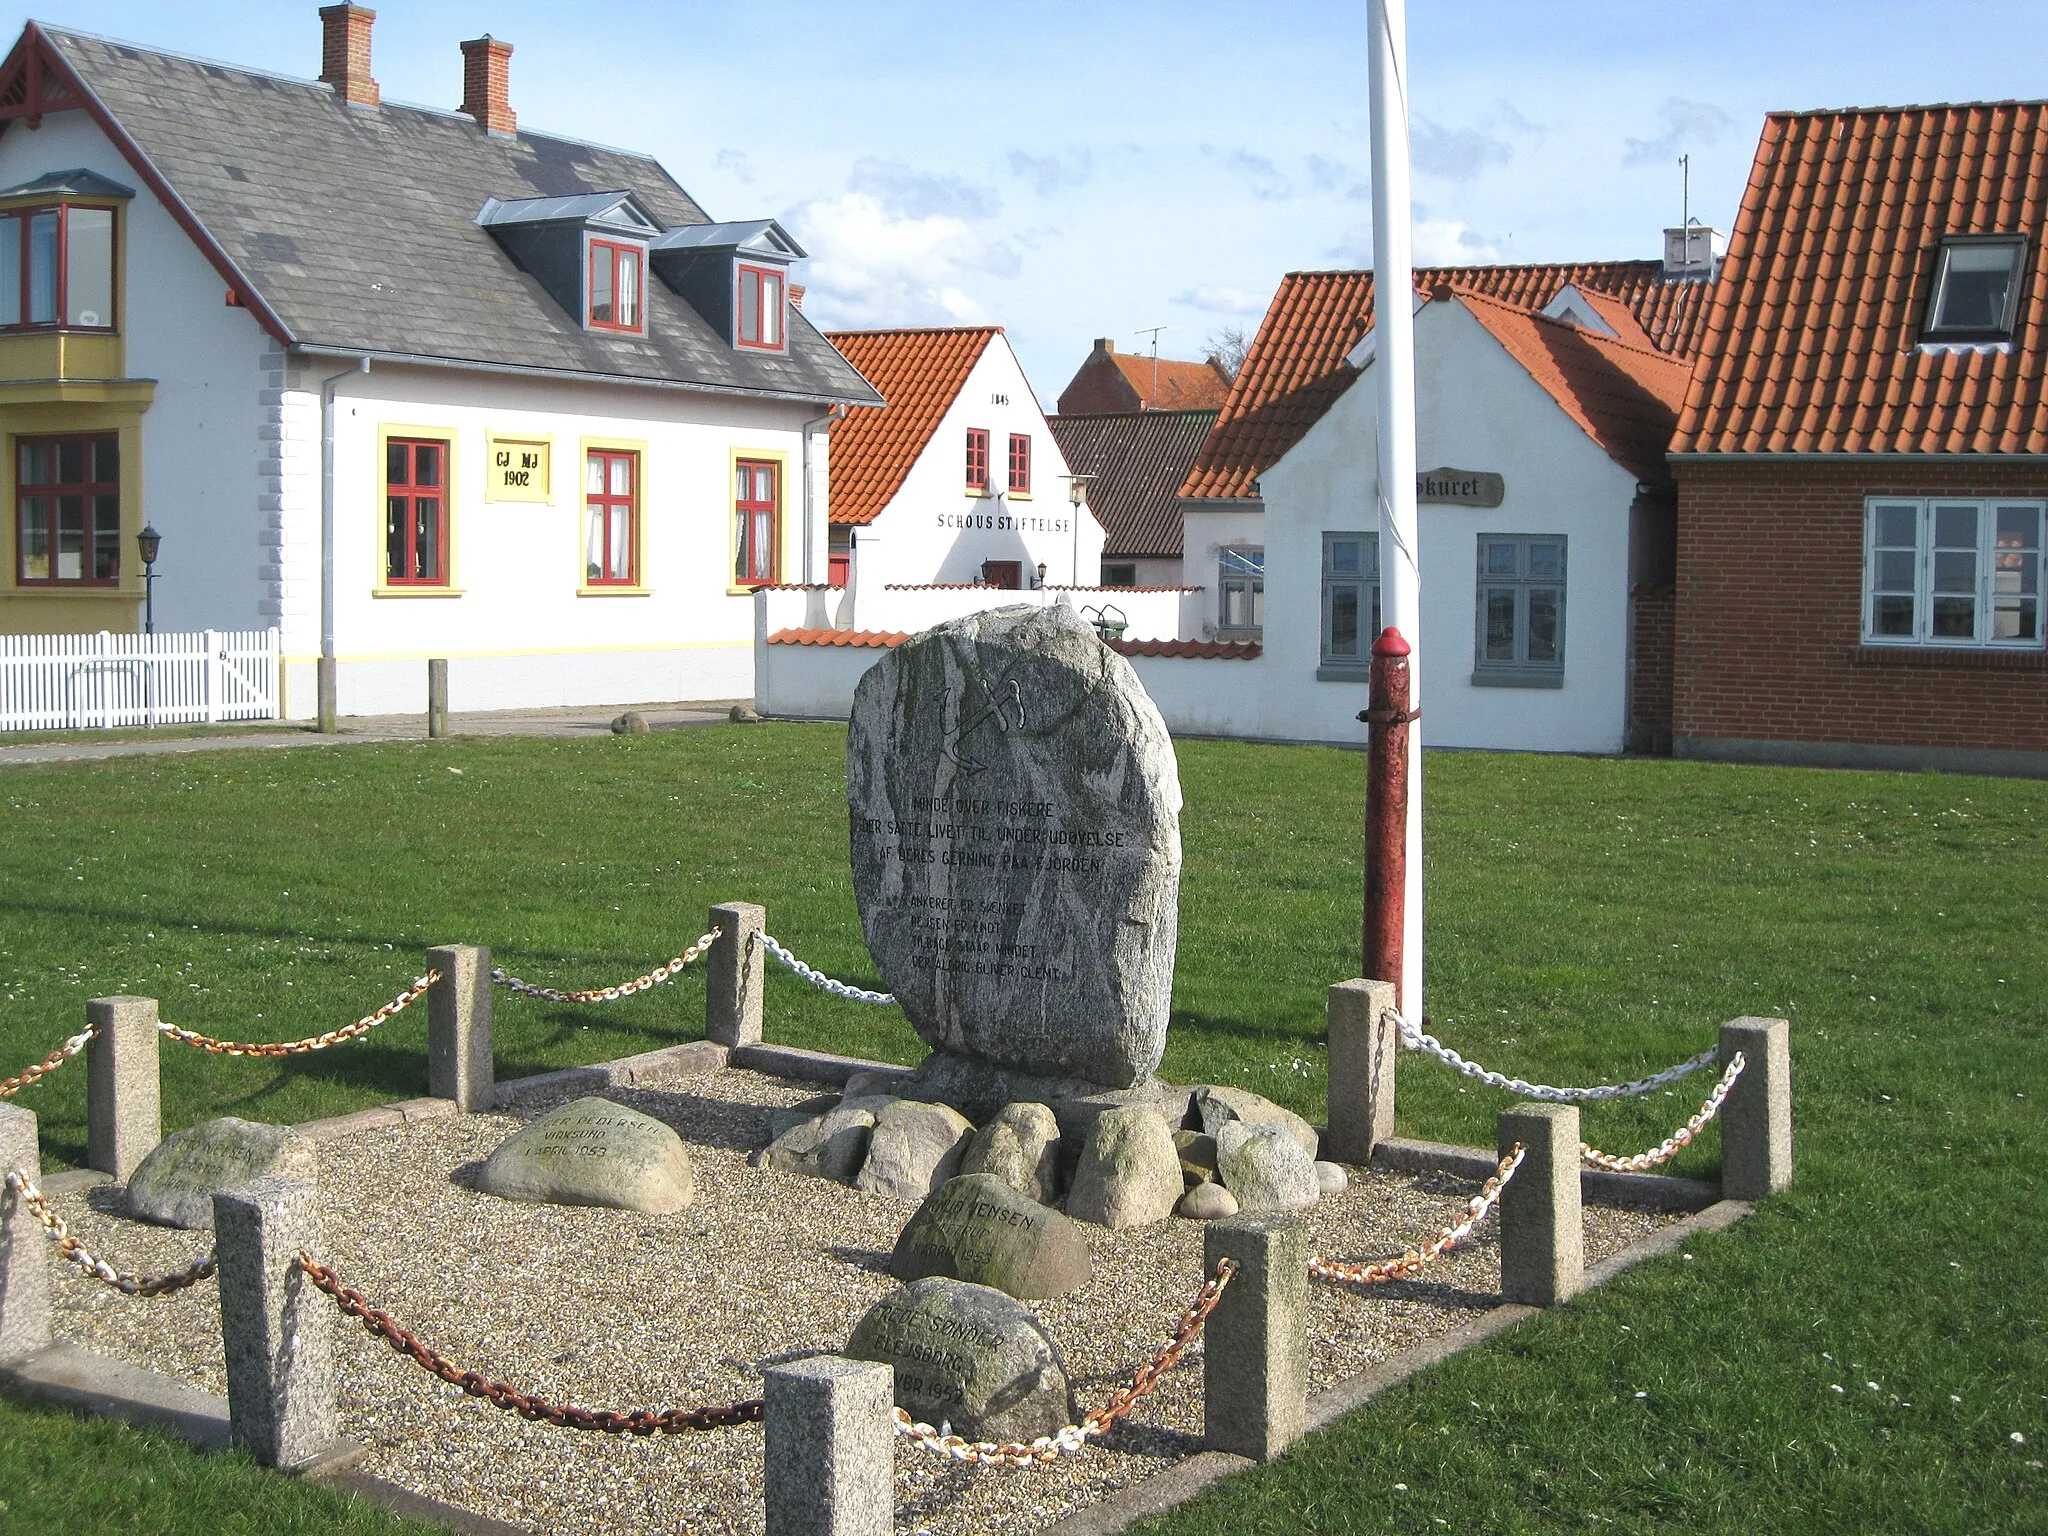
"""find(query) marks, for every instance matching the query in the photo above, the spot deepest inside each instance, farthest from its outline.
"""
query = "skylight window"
(1976, 288)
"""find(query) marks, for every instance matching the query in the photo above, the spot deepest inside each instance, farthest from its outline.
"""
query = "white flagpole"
(1393, 368)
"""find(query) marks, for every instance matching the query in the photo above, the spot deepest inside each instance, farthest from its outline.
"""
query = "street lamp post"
(1077, 498)
(147, 543)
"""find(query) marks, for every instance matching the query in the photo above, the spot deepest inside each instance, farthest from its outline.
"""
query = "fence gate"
(83, 682)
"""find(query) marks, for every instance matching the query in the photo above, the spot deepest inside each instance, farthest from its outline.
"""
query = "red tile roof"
(1166, 384)
(1138, 459)
(1811, 343)
(1624, 397)
(919, 372)
(877, 638)
(1214, 650)
(1296, 370)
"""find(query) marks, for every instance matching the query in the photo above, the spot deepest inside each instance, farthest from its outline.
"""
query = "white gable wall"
(934, 531)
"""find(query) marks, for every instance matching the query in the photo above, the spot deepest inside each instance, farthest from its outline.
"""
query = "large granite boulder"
(593, 1152)
(176, 1182)
(977, 1228)
(828, 1146)
(1129, 1173)
(1265, 1168)
(1015, 810)
(1021, 1147)
(967, 1356)
(1216, 1106)
(1207, 1202)
(915, 1148)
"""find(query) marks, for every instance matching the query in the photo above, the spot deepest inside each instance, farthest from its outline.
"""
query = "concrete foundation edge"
(1995, 761)
(1637, 1191)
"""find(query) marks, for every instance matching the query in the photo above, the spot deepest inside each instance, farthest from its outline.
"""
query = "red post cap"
(1390, 643)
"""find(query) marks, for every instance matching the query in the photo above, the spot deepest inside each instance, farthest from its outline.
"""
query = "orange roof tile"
(882, 640)
(1296, 370)
(1811, 345)
(1166, 384)
(1624, 397)
(919, 372)
(879, 639)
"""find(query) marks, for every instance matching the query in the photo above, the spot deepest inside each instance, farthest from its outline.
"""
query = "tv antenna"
(1152, 331)
(1685, 203)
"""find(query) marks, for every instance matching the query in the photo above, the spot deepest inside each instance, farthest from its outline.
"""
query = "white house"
(957, 479)
(402, 383)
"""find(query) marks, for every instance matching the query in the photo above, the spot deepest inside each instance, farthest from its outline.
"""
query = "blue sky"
(1073, 170)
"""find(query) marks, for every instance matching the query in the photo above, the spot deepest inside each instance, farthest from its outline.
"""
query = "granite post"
(437, 697)
(277, 1328)
(24, 1267)
(1542, 1227)
(1255, 1361)
(459, 1060)
(123, 1104)
(1756, 1117)
(829, 1448)
(732, 984)
(1364, 1045)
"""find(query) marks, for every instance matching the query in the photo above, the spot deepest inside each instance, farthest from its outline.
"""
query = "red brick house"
(1109, 381)
(1862, 460)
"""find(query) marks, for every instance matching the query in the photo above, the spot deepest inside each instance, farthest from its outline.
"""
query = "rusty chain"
(50, 1063)
(1048, 1448)
(1413, 1261)
(71, 1249)
(361, 1027)
(641, 1421)
(659, 974)
(1668, 1148)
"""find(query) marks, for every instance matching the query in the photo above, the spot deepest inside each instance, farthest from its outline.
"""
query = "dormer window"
(760, 308)
(615, 287)
(1976, 288)
(57, 268)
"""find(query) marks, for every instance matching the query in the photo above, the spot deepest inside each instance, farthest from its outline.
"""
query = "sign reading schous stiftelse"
(1460, 487)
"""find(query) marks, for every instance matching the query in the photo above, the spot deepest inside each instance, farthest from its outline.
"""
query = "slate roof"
(1295, 369)
(919, 371)
(1138, 459)
(1175, 386)
(1812, 342)
(353, 228)
(1624, 397)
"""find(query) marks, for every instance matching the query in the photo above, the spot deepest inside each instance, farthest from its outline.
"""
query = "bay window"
(57, 268)
(1948, 572)
(68, 511)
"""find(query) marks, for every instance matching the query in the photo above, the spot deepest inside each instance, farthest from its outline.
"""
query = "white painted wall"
(1206, 531)
(934, 531)
(1165, 614)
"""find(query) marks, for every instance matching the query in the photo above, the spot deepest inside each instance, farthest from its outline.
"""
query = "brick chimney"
(485, 64)
(345, 53)
(796, 295)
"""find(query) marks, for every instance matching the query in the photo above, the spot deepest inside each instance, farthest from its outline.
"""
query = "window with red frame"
(57, 268)
(1020, 464)
(68, 511)
(761, 309)
(977, 458)
(615, 287)
(611, 496)
(757, 515)
(415, 512)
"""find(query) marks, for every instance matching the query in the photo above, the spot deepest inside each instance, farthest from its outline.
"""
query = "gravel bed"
(611, 1309)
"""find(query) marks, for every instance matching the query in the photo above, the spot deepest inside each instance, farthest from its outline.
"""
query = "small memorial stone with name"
(981, 1230)
(593, 1152)
(967, 1356)
(176, 1183)
(1015, 817)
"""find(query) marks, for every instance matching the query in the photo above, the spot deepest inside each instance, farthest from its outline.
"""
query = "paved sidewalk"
(359, 729)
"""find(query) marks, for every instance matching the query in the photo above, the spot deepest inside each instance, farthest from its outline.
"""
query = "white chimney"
(1693, 251)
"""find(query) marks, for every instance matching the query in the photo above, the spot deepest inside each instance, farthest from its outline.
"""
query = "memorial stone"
(1015, 817)
(593, 1152)
(176, 1183)
(977, 1228)
(968, 1356)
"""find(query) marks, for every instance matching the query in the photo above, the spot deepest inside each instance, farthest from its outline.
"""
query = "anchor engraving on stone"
(997, 709)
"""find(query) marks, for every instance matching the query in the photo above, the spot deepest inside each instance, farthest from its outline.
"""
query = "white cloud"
(1222, 299)
(1451, 243)
(873, 266)
(1687, 125)
(1455, 154)
(918, 194)
(1048, 174)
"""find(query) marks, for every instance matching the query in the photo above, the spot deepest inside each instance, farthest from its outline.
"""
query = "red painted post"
(1386, 809)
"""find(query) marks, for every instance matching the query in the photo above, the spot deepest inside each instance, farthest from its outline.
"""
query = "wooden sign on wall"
(1460, 487)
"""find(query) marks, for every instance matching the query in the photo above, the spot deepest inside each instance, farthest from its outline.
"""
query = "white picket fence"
(82, 682)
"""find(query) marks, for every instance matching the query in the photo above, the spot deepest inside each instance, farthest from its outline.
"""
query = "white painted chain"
(75, 1252)
(659, 974)
(1429, 1045)
(818, 978)
(1668, 1148)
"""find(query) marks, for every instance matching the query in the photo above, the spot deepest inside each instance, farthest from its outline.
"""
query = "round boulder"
(968, 1356)
(915, 1148)
(1129, 1174)
(593, 1152)
(1020, 1146)
(176, 1182)
(981, 1230)
(1265, 1168)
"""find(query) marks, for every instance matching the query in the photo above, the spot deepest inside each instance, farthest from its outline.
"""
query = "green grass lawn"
(1587, 920)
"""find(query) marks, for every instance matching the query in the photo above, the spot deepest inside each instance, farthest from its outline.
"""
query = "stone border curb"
(1638, 1191)
(642, 1071)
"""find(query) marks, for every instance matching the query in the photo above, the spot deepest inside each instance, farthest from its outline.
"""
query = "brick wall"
(1652, 612)
(1098, 388)
(1767, 638)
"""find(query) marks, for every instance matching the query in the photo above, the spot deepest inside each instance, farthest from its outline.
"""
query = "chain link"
(659, 974)
(50, 1063)
(1668, 1148)
(818, 978)
(1429, 1045)
(640, 1421)
(1064, 1442)
(355, 1031)
(1411, 1263)
(70, 1248)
